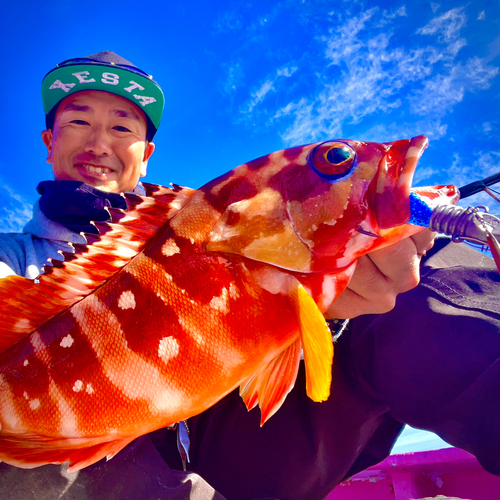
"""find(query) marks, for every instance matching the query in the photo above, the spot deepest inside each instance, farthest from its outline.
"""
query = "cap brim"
(141, 90)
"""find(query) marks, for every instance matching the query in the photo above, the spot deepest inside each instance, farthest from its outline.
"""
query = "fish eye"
(333, 160)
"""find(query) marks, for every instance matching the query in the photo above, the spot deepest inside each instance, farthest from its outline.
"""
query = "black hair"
(51, 116)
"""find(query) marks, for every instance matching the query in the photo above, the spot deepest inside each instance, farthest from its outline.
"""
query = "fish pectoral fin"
(249, 392)
(316, 342)
(32, 451)
(271, 385)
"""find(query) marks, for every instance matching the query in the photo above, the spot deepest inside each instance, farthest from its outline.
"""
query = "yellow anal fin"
(317, 344)
(270, 386)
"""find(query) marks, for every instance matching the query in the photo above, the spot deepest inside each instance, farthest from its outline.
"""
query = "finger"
(400, 263)
(424, 241)
(368, 292)
(381, 275)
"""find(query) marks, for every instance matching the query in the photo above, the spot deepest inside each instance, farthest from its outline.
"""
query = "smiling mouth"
(95, 170)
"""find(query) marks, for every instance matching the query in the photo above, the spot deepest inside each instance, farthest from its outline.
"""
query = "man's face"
(100, 139)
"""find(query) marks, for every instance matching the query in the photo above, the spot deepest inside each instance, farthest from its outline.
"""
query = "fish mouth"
(391, 196)
(438, 195)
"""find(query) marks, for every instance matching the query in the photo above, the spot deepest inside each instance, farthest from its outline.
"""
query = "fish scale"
(192, 293)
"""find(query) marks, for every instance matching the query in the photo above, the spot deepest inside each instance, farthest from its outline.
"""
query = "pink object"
(449, 472)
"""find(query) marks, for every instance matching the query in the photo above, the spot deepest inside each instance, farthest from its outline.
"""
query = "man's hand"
(381, 276)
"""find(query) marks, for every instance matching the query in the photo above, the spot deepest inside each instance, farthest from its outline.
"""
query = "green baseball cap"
(108, 72)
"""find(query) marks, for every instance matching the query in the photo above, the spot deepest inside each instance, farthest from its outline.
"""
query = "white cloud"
(401, 12)
(228, 21)
(234, 76)
(441, 93)
(423, 174)
(260, 94)
(15, 211)
(434, 129)
(481, 16)
(485, 165)
(447, 26)
(494, 47)
(435, 7)
(373, 75)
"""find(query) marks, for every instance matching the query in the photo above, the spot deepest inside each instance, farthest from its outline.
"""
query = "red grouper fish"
(192, 293)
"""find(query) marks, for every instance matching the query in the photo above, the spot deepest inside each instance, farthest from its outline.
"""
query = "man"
(102, 113)
(101, 117)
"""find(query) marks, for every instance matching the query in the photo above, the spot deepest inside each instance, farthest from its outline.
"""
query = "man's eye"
(79, 122)
(120, 128)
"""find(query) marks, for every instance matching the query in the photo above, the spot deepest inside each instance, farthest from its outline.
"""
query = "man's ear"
(47, 140)
(148, 151)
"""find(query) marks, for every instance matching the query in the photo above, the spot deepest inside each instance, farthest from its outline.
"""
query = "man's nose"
(99, 142)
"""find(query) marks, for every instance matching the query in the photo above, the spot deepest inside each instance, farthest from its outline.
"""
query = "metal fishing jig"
(473, 224)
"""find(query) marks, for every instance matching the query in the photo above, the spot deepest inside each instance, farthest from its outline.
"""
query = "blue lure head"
(420, 211)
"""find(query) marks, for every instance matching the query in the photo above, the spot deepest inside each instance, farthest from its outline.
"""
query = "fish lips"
(391, 187)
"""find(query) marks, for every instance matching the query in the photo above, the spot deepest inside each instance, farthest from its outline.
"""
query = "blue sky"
(244, 78)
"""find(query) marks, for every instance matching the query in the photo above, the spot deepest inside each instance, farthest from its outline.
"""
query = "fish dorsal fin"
(317, 344)
(259, 228)
(270, 386)
(27, 304)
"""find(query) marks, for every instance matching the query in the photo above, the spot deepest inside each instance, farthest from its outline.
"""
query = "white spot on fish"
(328, 291)
(168, 348)
(22, 324)
(126, 300)
(25, 395)
(220, 303)
(67, 341)
(35, 404)
(26, 362)
(89, 389)
(116, 359)
(78, 386)
(191, 240)
(170, 248)
(9, 418)
(36, 342)
(64, 420)
(233, 291)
